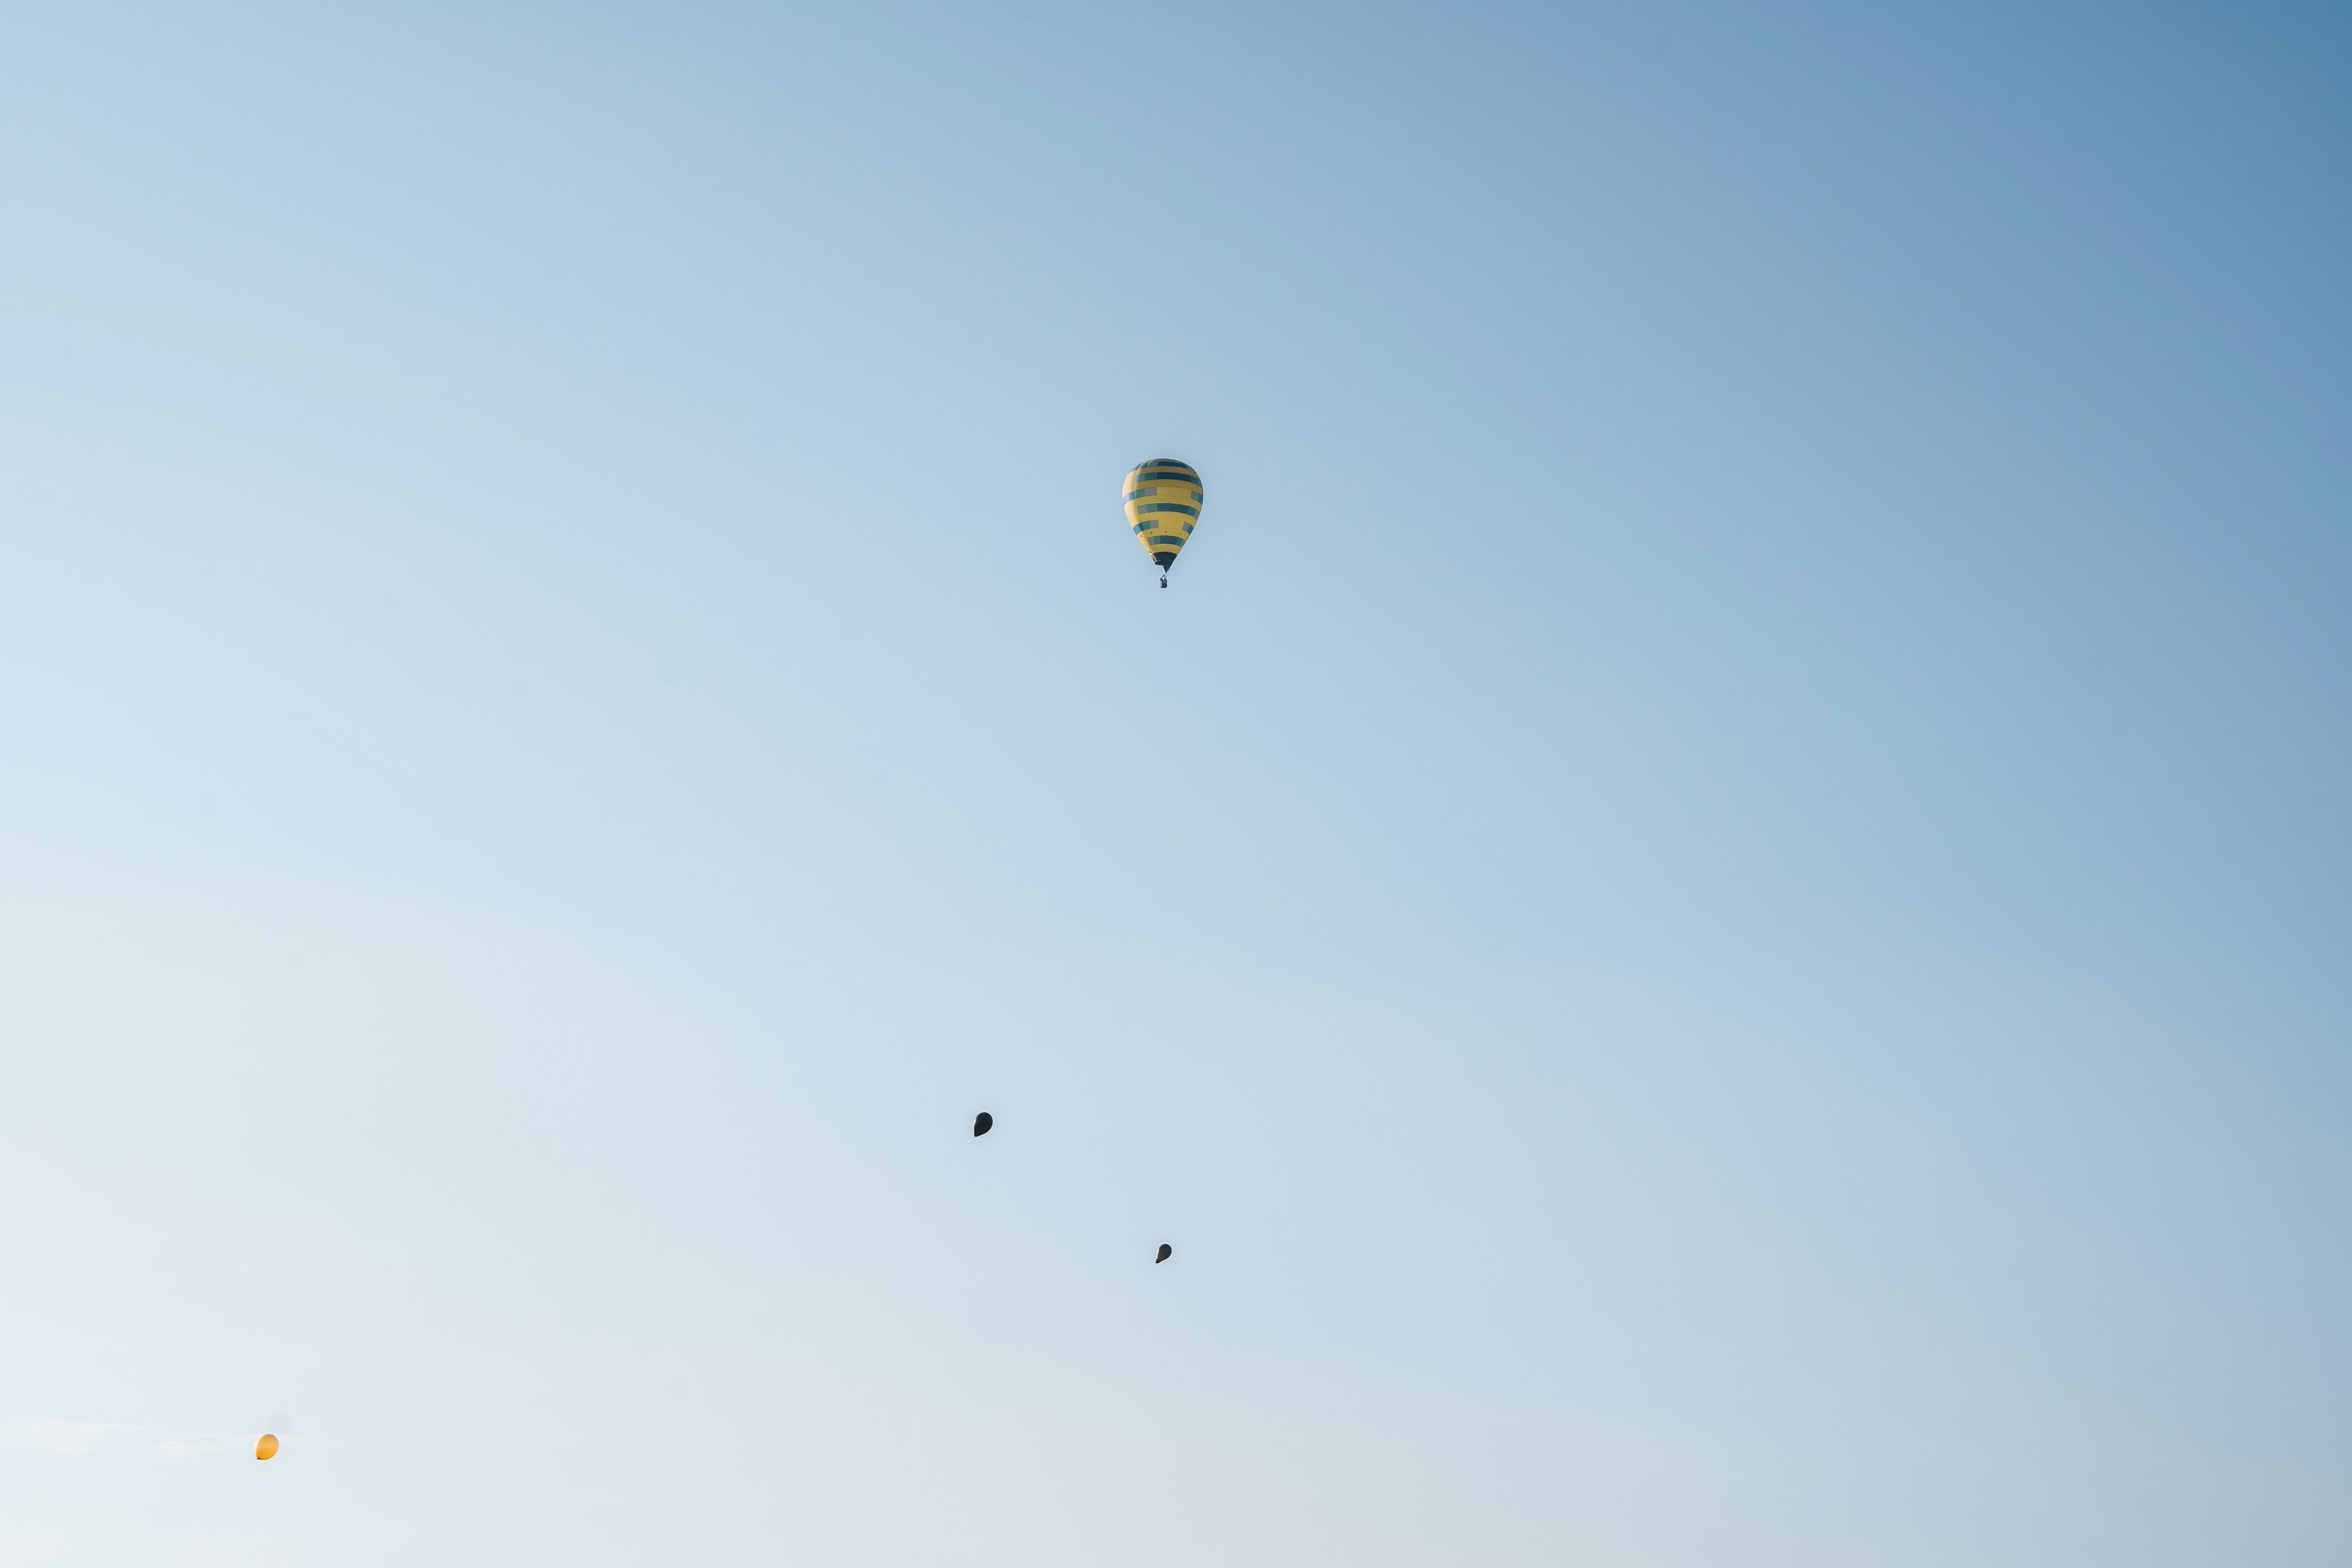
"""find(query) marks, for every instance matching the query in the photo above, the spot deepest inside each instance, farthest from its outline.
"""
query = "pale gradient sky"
(1713, 914)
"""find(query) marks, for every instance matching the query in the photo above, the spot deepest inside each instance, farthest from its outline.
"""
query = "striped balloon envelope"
(1163, 503)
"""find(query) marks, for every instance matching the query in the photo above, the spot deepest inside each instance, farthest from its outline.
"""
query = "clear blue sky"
(1713, 914)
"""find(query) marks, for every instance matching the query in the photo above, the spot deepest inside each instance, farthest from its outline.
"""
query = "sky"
(1712, 913)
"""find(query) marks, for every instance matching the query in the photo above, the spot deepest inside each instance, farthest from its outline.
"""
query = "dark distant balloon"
(982, 1123)
(1166, 1252)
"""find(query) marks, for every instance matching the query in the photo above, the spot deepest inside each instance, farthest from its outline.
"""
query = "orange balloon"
(265, 1447)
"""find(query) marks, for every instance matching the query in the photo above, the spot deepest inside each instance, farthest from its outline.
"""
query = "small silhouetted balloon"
(982, 1123)
(1166, 1252)
(265, 1447)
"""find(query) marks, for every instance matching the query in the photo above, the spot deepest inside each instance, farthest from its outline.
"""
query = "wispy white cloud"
(58, 1434)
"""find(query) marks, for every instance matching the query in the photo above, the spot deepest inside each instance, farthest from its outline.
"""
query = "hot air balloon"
(266, 1448)
(982, 1123)
(1163, 503)
(1166, 1252)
